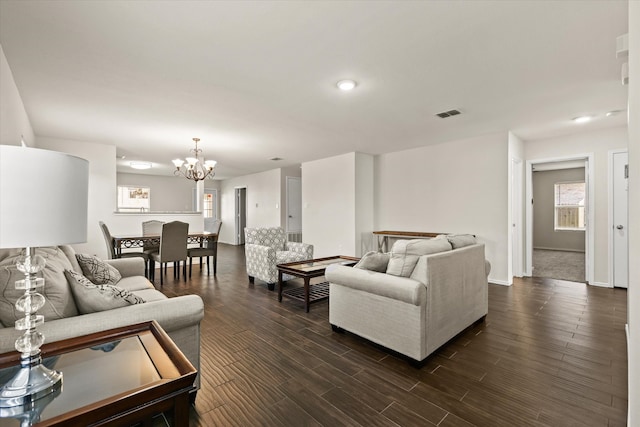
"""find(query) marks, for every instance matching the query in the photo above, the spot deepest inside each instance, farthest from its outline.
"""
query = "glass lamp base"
(32, 382)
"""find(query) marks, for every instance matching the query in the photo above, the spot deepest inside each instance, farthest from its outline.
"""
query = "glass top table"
(130, 373)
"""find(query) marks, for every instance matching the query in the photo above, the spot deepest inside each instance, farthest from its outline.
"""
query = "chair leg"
(250, 279)
(200, 263)
(184, 270)
(162, 275)
(208, 270)
(190, 266)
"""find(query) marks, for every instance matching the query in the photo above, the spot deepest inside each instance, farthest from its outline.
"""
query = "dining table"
(129, 241)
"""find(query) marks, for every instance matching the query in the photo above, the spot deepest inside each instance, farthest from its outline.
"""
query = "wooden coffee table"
(307, 270)
(122, 376)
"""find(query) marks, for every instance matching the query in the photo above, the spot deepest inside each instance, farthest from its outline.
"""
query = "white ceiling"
(256, 80)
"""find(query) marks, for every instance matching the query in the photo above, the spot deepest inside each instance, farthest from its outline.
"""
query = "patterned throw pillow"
(98, 271)
(91, 298)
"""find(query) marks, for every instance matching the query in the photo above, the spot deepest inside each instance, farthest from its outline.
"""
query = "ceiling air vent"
(275, 159)
(449, 113)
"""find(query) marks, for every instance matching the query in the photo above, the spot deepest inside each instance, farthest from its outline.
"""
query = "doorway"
(294, 209)
(210, 209)
(240, 214)
(559, 219)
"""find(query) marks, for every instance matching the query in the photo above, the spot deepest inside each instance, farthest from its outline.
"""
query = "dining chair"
(111, 250)
(209, 249)
(152, 227)
(173, 248)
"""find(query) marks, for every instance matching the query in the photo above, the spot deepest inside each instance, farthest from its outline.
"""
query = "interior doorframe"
(590, 232)
(515, 226)
(238, 238)
(610, 223)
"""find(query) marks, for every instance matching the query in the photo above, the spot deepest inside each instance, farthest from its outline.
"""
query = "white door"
(210, 208)
(516, 216)
(294, 204)
(620, 219)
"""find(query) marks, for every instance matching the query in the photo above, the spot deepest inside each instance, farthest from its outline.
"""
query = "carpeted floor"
(561, 265)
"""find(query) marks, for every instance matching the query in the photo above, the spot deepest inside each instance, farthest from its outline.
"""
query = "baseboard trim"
(499, 282)
(600, 284)
(560, 249)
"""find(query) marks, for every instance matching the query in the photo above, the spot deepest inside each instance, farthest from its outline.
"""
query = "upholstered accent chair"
(266, 247)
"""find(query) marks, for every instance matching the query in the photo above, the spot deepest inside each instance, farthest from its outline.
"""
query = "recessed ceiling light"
(140, 165)
(346, 84)
(582, 119)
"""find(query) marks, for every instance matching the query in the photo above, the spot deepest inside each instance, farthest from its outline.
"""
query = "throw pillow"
(374, 261)
(59, 301)
(461, 240)
(405, 254)
(91, 298)
(98, 271)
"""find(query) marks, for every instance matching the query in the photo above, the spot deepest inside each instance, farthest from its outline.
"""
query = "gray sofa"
(179, 316)
(437, 289)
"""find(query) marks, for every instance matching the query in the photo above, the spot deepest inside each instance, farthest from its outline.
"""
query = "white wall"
(633, 297)
(168, 193)
(263, 202)
(599, 143)
(454, 187)
(102, 186)
(328, 205)
(14, 122)
(334, 215)
(364, 193)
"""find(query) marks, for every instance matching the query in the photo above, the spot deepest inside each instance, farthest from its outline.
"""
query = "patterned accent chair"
(265, 247)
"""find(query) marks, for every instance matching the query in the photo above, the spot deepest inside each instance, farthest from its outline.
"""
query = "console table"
(383, 237)
(122, 377)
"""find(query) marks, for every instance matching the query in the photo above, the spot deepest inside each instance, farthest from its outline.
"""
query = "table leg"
(181, 410)
(279, 285)
(306, 294)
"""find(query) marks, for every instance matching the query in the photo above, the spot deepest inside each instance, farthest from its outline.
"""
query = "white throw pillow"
(461, 240)
(374, 261)
(405, 254)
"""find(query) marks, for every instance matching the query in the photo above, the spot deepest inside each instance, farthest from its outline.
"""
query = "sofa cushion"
(134, 283)
(150, 295)
(98, 271)
(91, 297)
(461, 240)
(59, 300)
(405, 254)
(374, 261)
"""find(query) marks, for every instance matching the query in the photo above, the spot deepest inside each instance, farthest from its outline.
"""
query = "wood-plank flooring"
(551, 353)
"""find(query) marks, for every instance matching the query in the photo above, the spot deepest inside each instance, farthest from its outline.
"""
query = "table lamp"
(43, 202)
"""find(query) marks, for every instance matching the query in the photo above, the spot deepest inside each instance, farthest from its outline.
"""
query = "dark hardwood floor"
(551, 353)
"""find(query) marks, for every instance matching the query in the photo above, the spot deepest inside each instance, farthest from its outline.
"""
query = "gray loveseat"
(429, 291)
(179, 316)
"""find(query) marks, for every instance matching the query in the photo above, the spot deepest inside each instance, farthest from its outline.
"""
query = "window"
(569, 206)
(133, 199)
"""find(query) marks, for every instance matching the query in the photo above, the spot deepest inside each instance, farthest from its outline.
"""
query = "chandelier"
(195, 169)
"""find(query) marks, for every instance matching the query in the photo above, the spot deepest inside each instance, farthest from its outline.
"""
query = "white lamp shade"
(43, 197)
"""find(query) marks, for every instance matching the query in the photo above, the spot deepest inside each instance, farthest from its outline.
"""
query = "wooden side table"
(118, 377)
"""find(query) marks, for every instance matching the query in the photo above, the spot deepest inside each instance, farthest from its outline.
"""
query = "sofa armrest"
(260, 259)
(300, 248)
(128, 266)
(399, 288)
